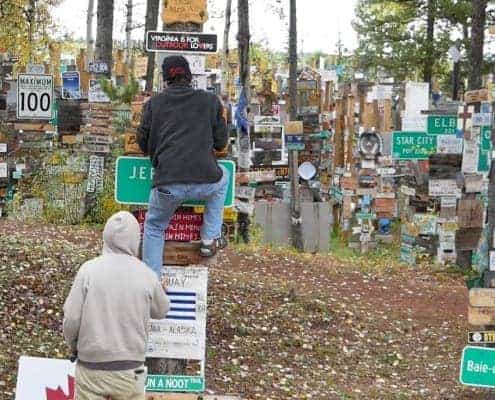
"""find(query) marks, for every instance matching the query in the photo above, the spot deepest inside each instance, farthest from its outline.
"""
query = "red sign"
(185, 226)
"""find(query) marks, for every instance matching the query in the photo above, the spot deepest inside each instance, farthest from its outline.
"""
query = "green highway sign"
(364, 215)
(486, 138)
(413, 145)
(442, 124)
(134, 176)
(483, 161)
(172, 383)
(478, 367)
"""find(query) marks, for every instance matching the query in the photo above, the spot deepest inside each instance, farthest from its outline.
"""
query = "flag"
(240, 113)
(182, 306)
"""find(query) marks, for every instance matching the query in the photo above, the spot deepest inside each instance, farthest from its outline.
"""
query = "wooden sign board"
(481, 316)
(130, 144)
(480, 297)
(177, 11)
(34, 126)
(180, 253)
(294, 128)
(477, 96)
(470, 213)
(70, 139)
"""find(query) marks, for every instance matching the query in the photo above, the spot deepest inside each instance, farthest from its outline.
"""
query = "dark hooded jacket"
(180, 129)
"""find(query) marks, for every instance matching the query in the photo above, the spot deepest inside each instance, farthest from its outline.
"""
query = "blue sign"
(294, 142)
(71, 85)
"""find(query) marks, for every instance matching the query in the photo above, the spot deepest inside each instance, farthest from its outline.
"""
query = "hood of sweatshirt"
(122, 235)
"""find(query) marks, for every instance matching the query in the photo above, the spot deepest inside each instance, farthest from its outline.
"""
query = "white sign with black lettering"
(95, 174)
(4, 170)
(182, 335)
(444, 187)
(449, 144)
(34, 96)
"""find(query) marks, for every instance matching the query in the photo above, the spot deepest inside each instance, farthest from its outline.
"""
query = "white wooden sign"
(95, 174)
(44, 378)
(482, 119)
(199, 82)
(182, 335)
(492, 260)
(443, 187)
(470, 157)
(449, 144)
(4, 172)
(3, 147)
(35, 69)
(417, 97)
(34, 96)
(96, 93)
(414, 123)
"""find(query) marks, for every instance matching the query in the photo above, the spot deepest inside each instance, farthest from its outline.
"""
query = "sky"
(319, 22)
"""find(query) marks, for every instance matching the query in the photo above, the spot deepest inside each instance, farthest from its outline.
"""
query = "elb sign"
(34, 96)
(181, 42)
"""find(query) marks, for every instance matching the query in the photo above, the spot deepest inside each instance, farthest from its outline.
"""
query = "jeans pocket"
(140, 375)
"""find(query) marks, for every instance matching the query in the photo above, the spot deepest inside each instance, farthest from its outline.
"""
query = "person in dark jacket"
(180, 130)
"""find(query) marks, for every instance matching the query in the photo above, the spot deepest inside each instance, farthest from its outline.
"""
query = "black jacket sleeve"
(220, 131)
(143, 132)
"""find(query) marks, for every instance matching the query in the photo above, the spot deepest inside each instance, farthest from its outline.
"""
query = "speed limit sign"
(34, 96)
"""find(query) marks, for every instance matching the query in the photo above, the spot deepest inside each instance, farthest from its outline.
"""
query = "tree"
(151, 24)
(296, 231)
(243, 38)
(477, 43)
(23, 20)
(90, 42)
(226, 51)
(409, 38)
(104, 33)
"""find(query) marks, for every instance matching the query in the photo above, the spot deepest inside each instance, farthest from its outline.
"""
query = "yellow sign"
(176, 11)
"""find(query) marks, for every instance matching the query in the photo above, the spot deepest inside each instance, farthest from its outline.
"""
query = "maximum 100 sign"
(34, 96)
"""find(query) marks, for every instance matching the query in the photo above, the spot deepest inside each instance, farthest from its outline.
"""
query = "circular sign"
(370, 145)
(307, 171)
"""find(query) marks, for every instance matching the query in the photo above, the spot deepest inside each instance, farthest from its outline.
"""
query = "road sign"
(133, 181)
(481, 337)
(71, 87)
(478, 367)
(486, 138)
(442, 124)
(413, 145)
(34, 96)
(181, 42)
(172, 383)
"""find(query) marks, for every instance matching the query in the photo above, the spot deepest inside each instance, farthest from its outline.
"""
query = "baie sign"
(45, 379)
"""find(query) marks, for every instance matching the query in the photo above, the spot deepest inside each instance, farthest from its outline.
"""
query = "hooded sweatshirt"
(107, 312)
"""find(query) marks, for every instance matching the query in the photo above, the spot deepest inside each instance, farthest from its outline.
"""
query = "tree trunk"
(128, 33)
(151, 24)
(225, 58)
(477, 43)
(90, 41)
(243, 38)
(430, 38)
(295, 200)
(104, 33)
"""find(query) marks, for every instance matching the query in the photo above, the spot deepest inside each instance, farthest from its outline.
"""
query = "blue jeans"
(164, 201)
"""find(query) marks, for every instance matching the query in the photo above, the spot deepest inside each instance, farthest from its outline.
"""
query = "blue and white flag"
(182, 306)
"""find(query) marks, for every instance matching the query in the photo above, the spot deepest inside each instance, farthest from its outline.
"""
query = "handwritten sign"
(182, 334)
(95, 174)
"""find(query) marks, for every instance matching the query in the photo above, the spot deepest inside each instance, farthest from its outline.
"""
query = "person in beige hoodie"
(107, 313)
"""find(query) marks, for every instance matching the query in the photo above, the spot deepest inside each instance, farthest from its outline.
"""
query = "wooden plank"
(480, 316)
(34, 126)
(476, 96)
(479, 297)
(467, 239)
(470, 213)
(185, 253)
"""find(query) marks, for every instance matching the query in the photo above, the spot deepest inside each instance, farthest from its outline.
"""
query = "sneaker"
(208, 250)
